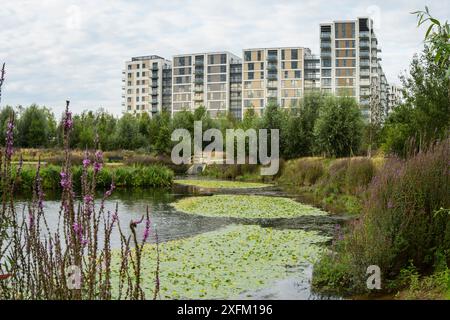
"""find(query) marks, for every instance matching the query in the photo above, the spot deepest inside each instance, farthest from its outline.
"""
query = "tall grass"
(405, 220)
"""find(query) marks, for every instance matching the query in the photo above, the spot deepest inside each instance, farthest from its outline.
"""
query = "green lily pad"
(222, 184)
(245, 206)
(227, 262)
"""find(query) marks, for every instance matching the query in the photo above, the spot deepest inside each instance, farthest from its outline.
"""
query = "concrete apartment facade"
(277, 76)
(349, 60)
(146, 85)
(394, 97)
(348, 65)
(208, 79)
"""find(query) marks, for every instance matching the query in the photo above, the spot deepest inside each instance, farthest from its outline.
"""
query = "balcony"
(325, 35)
(365, 54)
(198, 81)
(154, 68)
(272, 58)
(364, 44)
(198, 89)
(364, 34)
(272, 76)
(155, 76)
(199, 63)
(272, 85)
(154, 92)
(154, 101)
(325, 54)
(364, 82)
(364, 63)
(364, 73)
(272, 67)
(325, 45)
(198, 98)
(154, 84)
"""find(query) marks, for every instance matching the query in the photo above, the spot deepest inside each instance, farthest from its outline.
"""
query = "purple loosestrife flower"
(9, 138)
(65, 180)
(136, 222)
(147, 230)
(86, 163)
(68, 122)
(88, 199)
(98, 163)
(111, 189)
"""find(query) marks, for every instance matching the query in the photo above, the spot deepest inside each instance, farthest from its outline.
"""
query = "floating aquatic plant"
(227, 262)
(245, 206)
(222, 184)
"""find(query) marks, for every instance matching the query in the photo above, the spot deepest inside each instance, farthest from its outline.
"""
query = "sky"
(59, 49)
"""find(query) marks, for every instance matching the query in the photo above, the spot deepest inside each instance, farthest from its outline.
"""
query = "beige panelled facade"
(349, 60)
(210, 79)
(146, 85)
(272, 76)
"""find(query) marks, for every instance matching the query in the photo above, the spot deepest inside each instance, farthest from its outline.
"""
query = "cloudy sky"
(76, 49)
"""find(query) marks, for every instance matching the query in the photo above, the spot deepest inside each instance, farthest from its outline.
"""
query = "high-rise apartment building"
(210, 79)
(348, 65)
(146, 85)
(277, 76)
(349, 59)
(394, 97)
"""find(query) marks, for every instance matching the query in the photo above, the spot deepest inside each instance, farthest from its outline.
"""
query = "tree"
(338, 129)
(127, 135)
(438, 38)
(425, 116)
(159, 132)
(300, 126)
(33, 127)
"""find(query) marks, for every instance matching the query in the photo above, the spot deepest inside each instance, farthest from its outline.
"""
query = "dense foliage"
(303, 130)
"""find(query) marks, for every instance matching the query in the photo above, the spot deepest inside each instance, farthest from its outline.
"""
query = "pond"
(244, 266)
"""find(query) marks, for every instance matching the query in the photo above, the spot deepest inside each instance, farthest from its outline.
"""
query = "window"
(129, 67)
(137, 74)
(294, 65)
(129, 74)
(251, 76)
(247, 55)
(138, 82)
(143, 73)
(294, 55)
(137, 99)
(143, 65)
(137, 90)
(251, 66)
(326, 73)
(259, 56)
(298, 74)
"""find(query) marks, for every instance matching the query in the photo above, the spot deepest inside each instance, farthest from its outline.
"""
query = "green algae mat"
(227, 262)
(245, 206)
(222, 184)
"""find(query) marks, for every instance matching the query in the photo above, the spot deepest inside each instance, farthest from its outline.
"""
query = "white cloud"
(59, 49)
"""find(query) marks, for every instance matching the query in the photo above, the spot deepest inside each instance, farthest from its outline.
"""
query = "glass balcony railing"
(272, 58)
(325, 35)
(364, 34)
